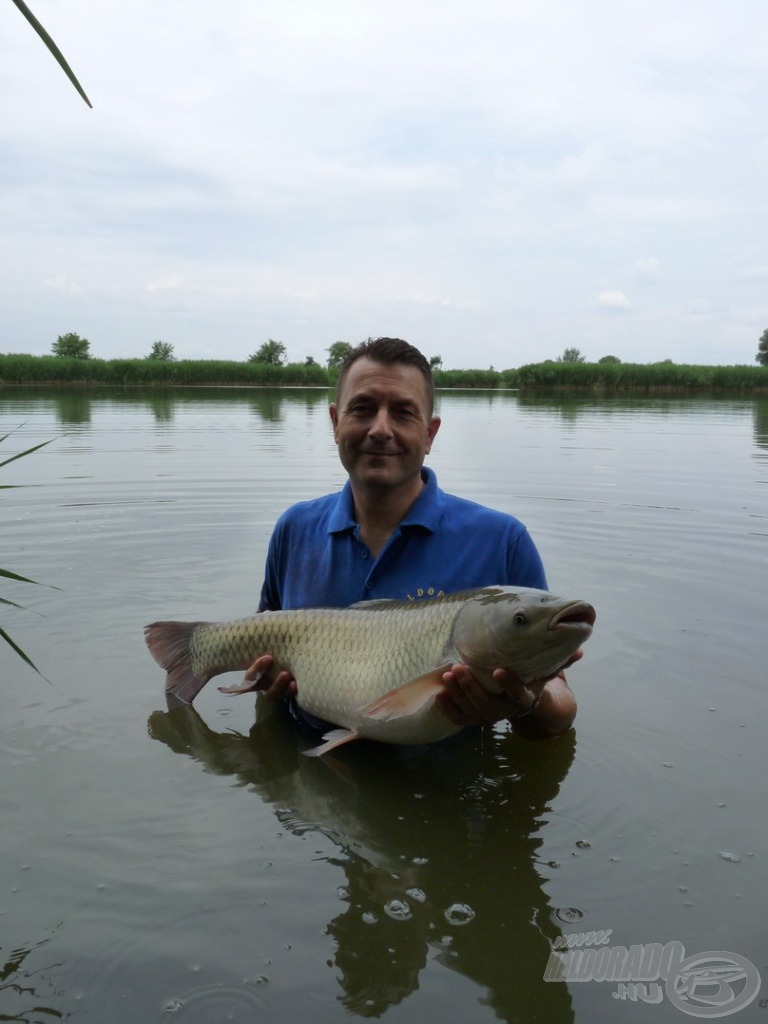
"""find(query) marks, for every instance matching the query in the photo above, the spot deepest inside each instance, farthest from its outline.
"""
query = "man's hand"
(467, 702)
(274, 686)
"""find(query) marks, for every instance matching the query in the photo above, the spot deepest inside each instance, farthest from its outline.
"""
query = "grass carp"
(376, 667)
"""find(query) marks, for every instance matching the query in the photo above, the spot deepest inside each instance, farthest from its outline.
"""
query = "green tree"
(163, 351)
(310, 361)
(762, 349)
(609, 359)
(272, 352)
(72, 346)
(436, 363)
(571, 355)
(337, 353)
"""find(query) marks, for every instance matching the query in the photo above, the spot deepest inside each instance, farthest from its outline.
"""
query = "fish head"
(530, 632)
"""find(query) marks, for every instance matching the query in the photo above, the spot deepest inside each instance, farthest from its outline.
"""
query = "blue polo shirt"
(444, 544)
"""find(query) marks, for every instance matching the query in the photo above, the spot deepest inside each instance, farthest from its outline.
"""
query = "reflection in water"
(760, 413)
(75, 406)
(431, 840)
(21, 987)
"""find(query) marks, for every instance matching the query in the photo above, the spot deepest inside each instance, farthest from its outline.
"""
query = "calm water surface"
(193, 866)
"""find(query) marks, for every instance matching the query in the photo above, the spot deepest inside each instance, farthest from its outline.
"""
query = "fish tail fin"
(408, 699)
(168, 643)
(333, 739)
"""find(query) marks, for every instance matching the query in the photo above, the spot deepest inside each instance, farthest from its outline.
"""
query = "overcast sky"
(492, 180)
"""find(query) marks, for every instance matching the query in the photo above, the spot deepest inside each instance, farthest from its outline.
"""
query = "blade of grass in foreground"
(21, 654)
(52, 47)
(27, 452)
(8, 575)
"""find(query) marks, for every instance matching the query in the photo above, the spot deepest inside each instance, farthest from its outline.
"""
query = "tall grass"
(6, 574)
(642, 376)
(27, 369)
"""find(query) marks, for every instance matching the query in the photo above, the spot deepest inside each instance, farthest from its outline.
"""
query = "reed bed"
(29, 369)
(642, 376)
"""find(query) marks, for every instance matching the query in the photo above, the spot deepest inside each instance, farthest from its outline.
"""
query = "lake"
(191, 865)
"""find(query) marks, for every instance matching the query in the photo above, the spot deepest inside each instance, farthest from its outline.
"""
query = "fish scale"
(376, 668)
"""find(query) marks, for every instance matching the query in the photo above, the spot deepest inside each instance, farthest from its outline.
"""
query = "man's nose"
(381, 427)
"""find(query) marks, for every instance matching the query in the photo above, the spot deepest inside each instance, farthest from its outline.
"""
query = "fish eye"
(520, 619)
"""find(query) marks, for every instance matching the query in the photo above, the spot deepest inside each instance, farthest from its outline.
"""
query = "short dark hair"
(390, 351)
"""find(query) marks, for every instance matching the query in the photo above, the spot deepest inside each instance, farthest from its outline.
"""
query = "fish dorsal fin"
(408, 699)
(379, 602)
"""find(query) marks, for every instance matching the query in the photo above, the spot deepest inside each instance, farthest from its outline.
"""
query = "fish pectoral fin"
(407, 699)
(334, 738)
(245, 687)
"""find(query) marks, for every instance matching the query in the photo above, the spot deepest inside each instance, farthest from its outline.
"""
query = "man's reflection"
(438, 845)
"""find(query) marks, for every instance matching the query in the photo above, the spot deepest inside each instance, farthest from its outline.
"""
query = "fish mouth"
(578, 615)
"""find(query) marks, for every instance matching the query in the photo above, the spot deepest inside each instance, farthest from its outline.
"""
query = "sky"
(493, 181)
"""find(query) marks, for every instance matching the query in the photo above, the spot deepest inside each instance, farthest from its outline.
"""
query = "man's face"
(382, 425)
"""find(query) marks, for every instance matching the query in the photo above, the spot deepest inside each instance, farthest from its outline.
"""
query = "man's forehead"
(367, 377)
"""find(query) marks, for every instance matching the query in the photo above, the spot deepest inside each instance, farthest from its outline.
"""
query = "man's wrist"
(528, 711)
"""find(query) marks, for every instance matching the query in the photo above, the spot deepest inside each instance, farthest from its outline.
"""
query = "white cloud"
(463, 175)
(62, 283)
(171, 283)
(613, 300)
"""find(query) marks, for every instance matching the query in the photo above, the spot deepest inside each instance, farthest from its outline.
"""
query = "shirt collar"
(425, 511)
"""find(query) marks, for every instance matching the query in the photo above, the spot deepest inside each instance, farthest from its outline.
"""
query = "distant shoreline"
(600, 378)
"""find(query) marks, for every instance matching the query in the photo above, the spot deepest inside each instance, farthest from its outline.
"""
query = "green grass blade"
(14, 576)
(27, 452)
(25, 657)
(52, 47)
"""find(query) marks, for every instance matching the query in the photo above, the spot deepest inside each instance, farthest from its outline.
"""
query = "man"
(391, 532)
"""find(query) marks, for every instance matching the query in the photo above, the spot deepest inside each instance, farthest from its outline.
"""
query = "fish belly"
(342, 660)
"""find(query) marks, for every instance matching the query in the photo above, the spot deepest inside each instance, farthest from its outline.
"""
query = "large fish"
(375, 668)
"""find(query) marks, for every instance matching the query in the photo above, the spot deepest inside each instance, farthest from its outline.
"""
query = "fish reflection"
(438, 846)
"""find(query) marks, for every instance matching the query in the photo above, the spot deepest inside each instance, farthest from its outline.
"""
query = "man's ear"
(432, 428)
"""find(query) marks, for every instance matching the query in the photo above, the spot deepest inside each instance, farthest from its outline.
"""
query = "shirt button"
(365, 554)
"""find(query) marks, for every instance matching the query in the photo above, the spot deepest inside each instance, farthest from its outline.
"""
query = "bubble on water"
(583, 844)
(369, 917)
(417, 894)
(459, 913)
(342, 891)
(668, 764)
(568, 915)
(553, 864)
(398, 910)
(420, 860)
(732, 858)
(227, 1001)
